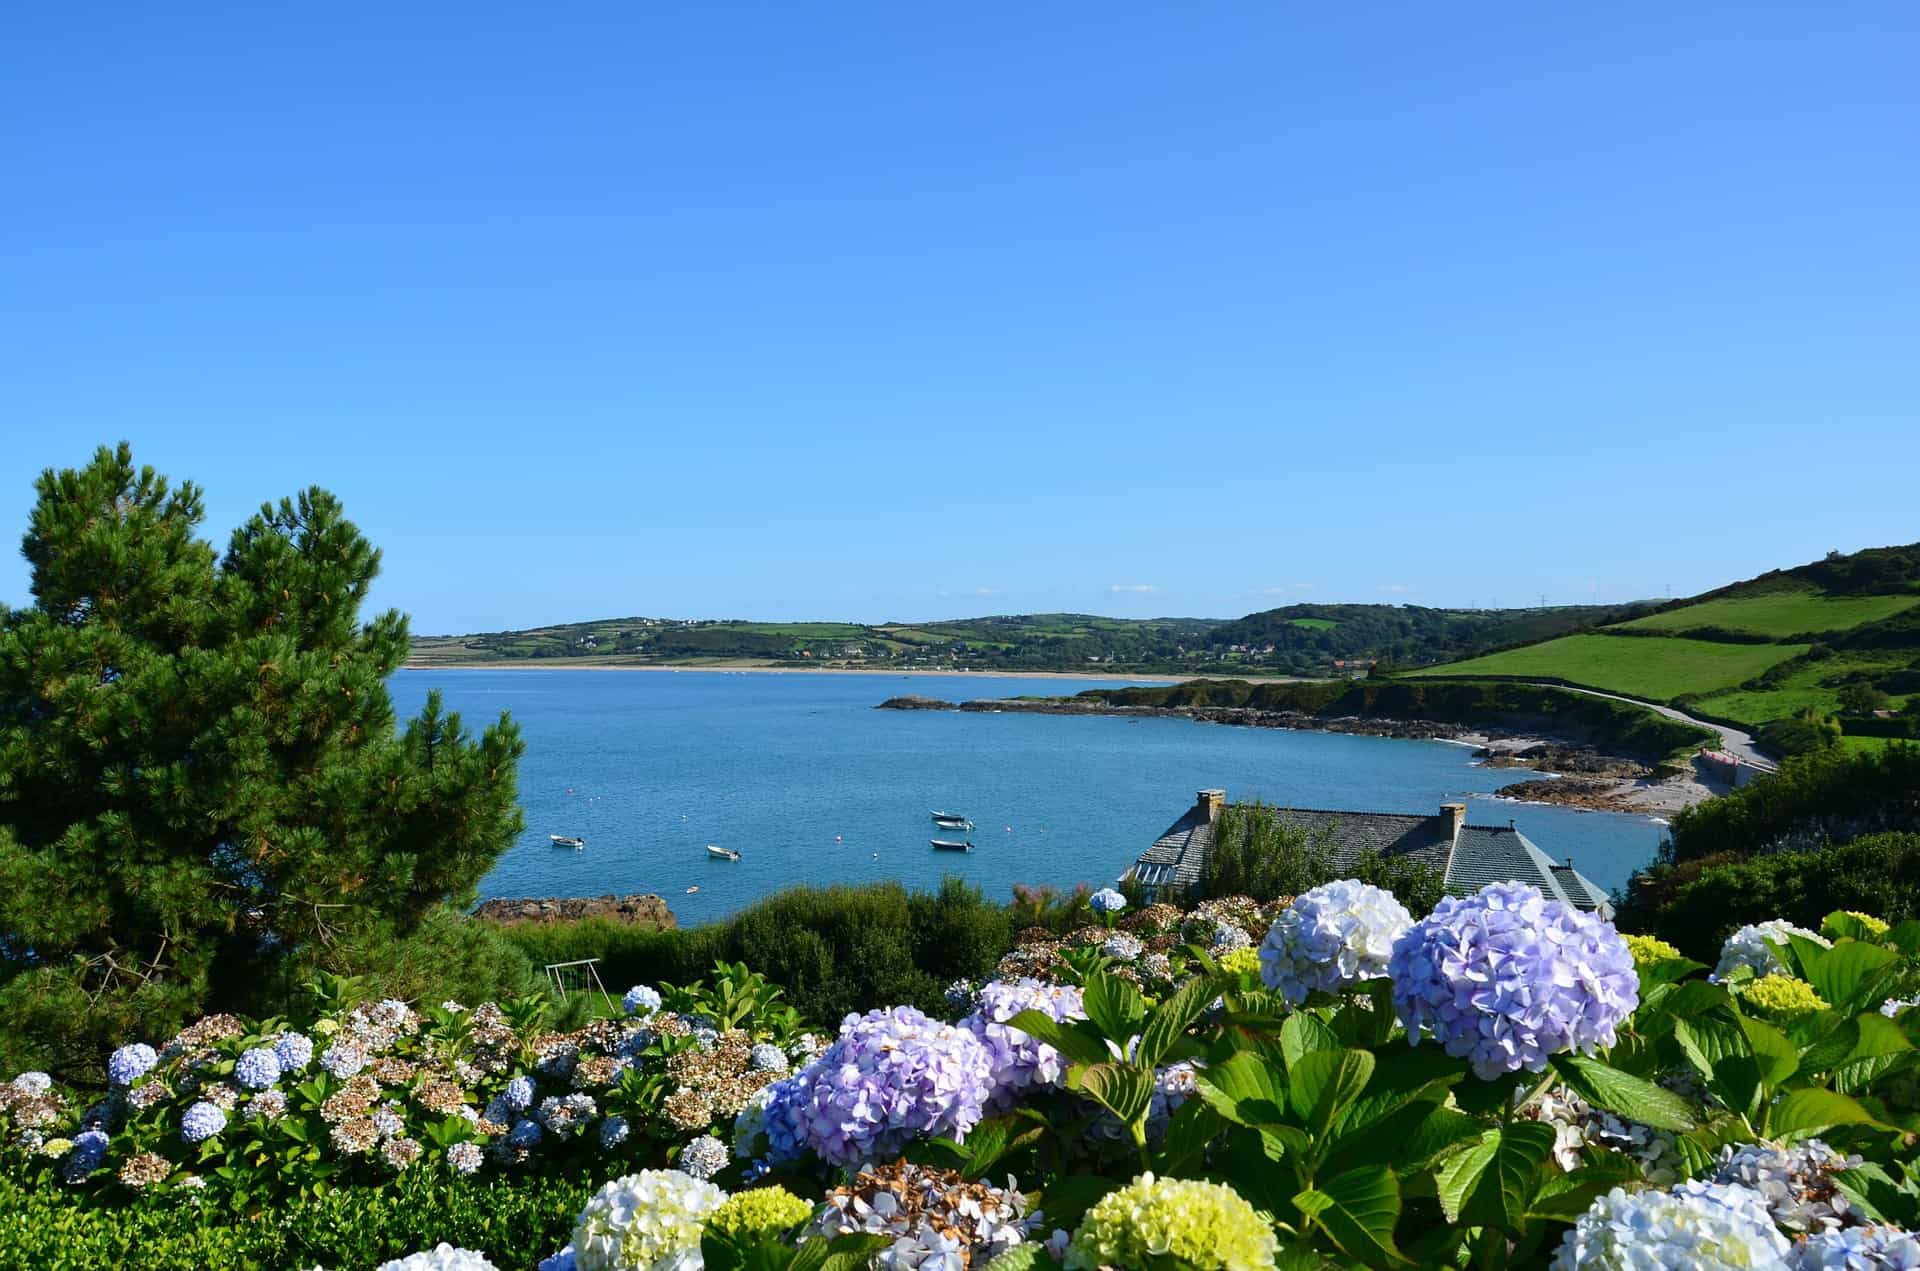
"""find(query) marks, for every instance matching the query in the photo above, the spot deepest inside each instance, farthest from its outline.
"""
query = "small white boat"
(567, 840)
(953, 823)
(948, 816)
(722, 853)
(950, 845)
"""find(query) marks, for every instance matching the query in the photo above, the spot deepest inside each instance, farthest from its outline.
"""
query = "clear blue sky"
(872, 311)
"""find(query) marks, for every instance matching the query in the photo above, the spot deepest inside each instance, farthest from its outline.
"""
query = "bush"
(1257, 853)
(514, 1221)
(834, 950)
(1829, 796)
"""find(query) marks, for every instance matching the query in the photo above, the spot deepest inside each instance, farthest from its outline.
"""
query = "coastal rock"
(1554, 757)
(915, 703)
(644, 909)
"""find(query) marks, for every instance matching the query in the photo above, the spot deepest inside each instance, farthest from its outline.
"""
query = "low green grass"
(1659, 669)
(1780, 613)
(1313, 624)
(1800, 690)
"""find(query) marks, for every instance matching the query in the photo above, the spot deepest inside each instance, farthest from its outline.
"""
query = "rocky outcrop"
(1553, 757)
(915, 703)
(645, 909)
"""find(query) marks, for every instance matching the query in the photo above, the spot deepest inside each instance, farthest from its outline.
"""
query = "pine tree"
(204, 795)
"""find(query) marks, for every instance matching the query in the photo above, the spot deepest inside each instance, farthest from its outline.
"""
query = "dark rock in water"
(645, 909)
(913, 703)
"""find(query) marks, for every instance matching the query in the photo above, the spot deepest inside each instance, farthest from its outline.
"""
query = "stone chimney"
(1210, 802)
(1455, 815)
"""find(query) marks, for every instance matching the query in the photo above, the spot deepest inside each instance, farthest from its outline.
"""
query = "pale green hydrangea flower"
(1152, 1221)
(1784, 999)
(636, 1221)
(755, 1215)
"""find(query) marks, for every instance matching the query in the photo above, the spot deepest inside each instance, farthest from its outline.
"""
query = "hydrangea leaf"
(1122, 1089)
(1842, 973)
(1303, 1033)
(1507, 1183)
(1460, 1173)
(1070, 1041)
(1777, 1056)
(1607, 1087)
(1361, 1219)
(1114, 1005)
(1173, 1017)
(1246, 1090)
(1321, 1084)
(1809, 1111)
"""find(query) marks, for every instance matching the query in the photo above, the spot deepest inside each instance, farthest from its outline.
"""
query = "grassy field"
(1800, 690)
(1315, 624)
(1780, 613)
(1659, 669)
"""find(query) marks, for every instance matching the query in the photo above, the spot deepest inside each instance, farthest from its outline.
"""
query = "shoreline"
(1573, 773)
(581, 664)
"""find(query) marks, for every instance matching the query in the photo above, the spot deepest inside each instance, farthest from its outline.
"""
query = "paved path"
(1735, 742)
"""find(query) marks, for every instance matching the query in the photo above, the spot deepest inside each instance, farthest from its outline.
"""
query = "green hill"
(1839, 636)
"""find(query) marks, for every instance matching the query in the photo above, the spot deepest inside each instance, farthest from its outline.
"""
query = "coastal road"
(1736, 743)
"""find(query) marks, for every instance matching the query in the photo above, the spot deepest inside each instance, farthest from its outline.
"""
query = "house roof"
(1468, 856)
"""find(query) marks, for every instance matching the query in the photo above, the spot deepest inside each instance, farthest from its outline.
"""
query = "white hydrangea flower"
(1748, 947)
(639, 1220)
(1795, 1180)
(1695, 1227)
(1860, 1249)
(442, 1257)
(1333, 936)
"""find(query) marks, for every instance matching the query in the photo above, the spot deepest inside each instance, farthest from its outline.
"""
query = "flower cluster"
(130, 1063)
(1205, 1226)
(755, 1215)
(892, 1076)
(1331, 938)
(1784, 999)
(1748, 947)
(936, 1218)
(1107, 901)
(1019, 1061)
(637, 1220)
(1695, 1227)
(1650, 950)
(1507, 978)
(641, 1000)
(1794, 1181)
(1578, 1125)
(1859, 1249)
(442, 1257)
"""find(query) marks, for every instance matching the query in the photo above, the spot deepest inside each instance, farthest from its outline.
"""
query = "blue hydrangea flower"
(1695, 1227)
(642, 1000)
(201, 1122)
(1122, 947)
(294, 1051)
(525, 1134)
(1330, 938)
(768, 1057)
(704, 1157)
(1749, 947)
(892, 1077)
(1107, 901)
(343, 1059)
(257, 1069)
(33, 1082)
(613, 1132)
(1020, 1062)
(519, 1094)
(130, 1063)
(1860, 1249)
(1506, 978)
(89, 1149)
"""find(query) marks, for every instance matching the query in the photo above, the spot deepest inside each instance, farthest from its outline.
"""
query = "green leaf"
(1193, 1125)
(1302, 1034)
(1076, 1045)
(1905, 937)
(1635, 1099)
(1114, 1005)
(1808, 1111)
(1121, 1089)
(1877, 1194)
(1460, 1174)
(1246, 1090)
(1845, 969)
(1832, 1046)
(1322, 1083)
(1067, 1199)
(1361, 1219)
(1024, 1257)
(1883, 1047)
(1777, 1056)
(1506, 1188)
(1719, 1051)
(1173, 1017)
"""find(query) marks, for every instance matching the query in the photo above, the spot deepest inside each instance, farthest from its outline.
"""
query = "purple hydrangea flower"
(257, 1069)
(130, 1063)
(1859, 1249)
(519, 1093)
(1019, 1061)
(893, 1076)
(1506, 978)
(201, 1122)
(1107, 901)
(294, 1051)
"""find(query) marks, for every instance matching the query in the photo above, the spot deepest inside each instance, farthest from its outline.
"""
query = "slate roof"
(1468, 858)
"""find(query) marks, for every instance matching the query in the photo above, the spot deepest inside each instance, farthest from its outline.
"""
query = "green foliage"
(1258, 853)
(1656, 669)
(514, 1221)
(1827, 796)
(203, 793)
(833, 950)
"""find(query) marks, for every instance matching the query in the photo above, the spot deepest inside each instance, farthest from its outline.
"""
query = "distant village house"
(1467, 857)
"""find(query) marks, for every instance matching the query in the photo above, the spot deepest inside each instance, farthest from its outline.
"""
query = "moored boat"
(953, 823)
(722, 853)
(949, 816)
(567, 840)
(950, 845)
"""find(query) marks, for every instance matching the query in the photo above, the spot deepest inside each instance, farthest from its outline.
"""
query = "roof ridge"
(1417, 816)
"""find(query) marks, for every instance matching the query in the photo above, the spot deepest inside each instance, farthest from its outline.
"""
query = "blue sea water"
(811, 784)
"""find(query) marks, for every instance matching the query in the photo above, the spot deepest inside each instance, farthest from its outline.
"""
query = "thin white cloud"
(986, 591)
(1287, 590)
(1133, 589)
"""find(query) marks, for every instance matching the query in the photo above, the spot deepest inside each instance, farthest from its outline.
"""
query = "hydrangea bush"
(1592, 1102)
